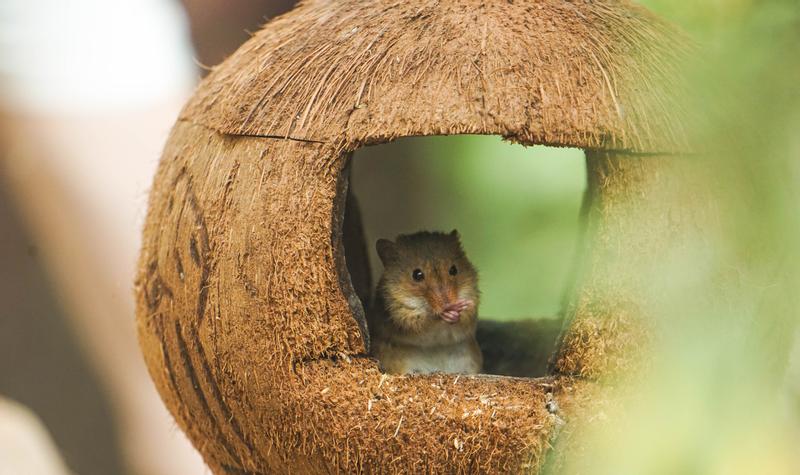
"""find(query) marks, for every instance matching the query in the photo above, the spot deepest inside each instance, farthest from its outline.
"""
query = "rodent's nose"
(440, 298)
(452, 296)
(447, 295)
(436, 304)
(436, 301)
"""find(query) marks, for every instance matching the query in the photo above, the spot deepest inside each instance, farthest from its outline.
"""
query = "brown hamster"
(425, 312)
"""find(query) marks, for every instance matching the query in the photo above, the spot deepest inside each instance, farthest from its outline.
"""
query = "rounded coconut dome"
(589, 74)
(249, 314)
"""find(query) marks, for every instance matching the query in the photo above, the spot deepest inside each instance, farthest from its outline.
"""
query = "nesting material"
(250, 317)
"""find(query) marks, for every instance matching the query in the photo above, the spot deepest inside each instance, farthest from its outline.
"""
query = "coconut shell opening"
(252, 270)
(520, 348)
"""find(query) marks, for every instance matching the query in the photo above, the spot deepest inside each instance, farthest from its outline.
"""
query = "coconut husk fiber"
(583, 74)
(253, 268)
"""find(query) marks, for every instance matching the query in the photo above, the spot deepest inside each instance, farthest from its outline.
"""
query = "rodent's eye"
(453, 270)
(418, 275)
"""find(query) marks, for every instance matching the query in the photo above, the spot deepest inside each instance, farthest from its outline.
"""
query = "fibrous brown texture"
(253, 344)
(251, 318)
(595, 75)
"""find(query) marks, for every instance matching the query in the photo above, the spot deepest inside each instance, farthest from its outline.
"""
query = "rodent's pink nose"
(452, 312)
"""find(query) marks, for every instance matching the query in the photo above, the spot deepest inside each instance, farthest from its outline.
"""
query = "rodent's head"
(428, 281)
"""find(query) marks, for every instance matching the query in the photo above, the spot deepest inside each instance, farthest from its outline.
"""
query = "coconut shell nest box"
(250, 317)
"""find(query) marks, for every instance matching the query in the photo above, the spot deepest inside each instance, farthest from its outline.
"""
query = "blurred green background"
(516, 209)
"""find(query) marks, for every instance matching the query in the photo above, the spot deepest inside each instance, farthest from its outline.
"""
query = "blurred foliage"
(722, 396)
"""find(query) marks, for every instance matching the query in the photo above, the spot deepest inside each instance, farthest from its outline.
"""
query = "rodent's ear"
(455, 240)
(387, 250)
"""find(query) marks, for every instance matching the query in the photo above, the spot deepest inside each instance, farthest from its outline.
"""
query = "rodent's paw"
(452, 312)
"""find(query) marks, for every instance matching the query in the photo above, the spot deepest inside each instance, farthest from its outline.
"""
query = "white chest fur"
(458, 358)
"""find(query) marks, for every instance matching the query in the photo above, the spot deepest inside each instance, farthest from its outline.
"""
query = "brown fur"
(406, 324)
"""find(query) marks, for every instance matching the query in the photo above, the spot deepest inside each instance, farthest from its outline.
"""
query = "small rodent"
(425, 312)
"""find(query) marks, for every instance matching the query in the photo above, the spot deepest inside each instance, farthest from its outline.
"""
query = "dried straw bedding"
(249, 318)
